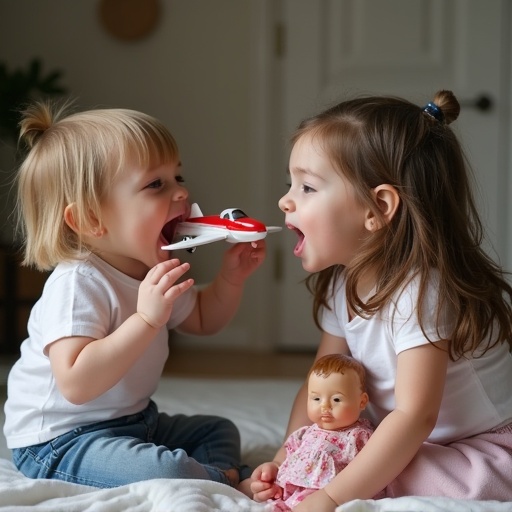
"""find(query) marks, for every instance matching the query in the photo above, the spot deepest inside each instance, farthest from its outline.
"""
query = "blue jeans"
(137, 447)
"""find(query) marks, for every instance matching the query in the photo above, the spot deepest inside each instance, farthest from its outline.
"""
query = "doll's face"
(335, 401)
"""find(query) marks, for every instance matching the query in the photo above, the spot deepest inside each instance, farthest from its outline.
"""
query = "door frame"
(264, 149)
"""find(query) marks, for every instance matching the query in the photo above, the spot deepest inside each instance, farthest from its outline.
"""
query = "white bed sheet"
(259, 408)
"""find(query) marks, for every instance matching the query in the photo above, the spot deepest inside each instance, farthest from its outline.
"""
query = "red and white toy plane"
(232, 225)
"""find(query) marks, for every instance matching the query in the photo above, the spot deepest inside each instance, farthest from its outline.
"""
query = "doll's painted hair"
(73, 158)
(387, 140)
(338, 363)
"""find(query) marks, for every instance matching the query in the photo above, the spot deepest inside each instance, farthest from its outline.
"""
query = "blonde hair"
(339, 363)
(72, 159)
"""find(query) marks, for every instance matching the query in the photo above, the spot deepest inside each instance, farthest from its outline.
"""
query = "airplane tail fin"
(195, 211)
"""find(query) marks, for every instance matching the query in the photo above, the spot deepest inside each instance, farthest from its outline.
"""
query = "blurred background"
(231, 79)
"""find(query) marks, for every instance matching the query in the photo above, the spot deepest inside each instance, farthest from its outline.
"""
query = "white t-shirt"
(82, 298)
(478, 391)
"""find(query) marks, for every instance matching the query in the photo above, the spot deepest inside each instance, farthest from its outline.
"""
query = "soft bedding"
(259, 408)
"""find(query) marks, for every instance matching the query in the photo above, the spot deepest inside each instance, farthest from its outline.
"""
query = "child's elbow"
(76, 395)
(75, 398)
(427, 422)
(420, 421)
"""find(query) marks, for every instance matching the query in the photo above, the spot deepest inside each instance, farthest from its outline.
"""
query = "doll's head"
(336, 391)
(73, 158)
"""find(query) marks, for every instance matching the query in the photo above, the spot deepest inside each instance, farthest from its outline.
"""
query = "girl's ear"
(387, 199)
(95, 230)
(364, 401)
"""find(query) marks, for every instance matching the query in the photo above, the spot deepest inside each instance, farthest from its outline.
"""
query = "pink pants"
(478, 468)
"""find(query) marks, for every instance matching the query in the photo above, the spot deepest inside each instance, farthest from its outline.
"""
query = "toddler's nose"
(180, 194)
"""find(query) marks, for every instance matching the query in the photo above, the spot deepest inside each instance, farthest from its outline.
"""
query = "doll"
(315, 454)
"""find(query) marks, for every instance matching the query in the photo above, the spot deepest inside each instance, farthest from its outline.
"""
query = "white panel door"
(336, 49)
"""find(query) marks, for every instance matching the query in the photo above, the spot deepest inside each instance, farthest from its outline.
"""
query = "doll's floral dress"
(314, 456)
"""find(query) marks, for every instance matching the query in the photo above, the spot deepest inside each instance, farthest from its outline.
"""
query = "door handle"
(482, 102)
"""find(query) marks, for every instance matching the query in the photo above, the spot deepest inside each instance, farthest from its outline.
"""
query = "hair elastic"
(434, 111)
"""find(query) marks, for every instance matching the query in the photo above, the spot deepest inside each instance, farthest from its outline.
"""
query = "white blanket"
(259, 408)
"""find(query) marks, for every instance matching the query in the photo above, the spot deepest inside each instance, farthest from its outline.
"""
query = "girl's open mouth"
(297, 251)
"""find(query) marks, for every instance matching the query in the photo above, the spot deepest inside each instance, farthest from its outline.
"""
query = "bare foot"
(245, 487)
(232, 476)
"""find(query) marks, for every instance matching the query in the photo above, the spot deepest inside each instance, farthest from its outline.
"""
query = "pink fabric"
(478, 468)
(314, 456)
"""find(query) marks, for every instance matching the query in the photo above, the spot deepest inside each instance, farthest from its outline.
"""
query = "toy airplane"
(232, 225)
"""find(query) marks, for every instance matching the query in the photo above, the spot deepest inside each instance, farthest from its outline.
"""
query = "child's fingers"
(256, 474)
(175, 290)
(258, 486)
(267, 476)
(266, 495)
(258, 250)
(265, 472)
(168, 285)
(164, 278)
(174, 274)
(247, 251)
(158, 271)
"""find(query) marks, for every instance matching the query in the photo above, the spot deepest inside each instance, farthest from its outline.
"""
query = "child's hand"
(158, 291)
(263, 484)
(241, 260)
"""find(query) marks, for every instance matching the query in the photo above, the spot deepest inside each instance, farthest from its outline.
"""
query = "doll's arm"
(219, 301)
(85, 368)
(421, 374)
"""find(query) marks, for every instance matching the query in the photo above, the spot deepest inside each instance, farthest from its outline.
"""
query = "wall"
(192, 72)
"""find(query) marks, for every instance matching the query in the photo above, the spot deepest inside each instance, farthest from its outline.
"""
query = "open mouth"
(300, 243)
(169, 230)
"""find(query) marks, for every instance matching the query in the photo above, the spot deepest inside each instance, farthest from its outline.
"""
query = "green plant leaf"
(19, 87)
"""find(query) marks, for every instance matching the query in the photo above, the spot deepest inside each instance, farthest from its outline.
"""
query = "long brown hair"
(388, 140)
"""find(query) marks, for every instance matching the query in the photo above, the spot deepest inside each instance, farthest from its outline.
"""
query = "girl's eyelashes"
(307, 189)
(304, 188)
(180, 178)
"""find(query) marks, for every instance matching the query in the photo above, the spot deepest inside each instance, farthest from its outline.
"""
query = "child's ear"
(95, 229)
(364, 400)
(69, 217)
(387, 199)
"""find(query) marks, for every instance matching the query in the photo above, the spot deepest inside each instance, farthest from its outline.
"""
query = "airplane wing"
(190, 243)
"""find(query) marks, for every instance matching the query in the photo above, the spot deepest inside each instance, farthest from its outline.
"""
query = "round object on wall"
(129, 20)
